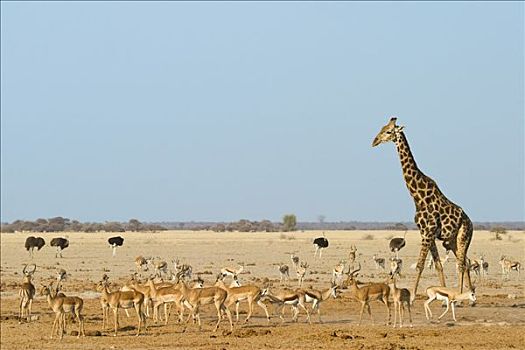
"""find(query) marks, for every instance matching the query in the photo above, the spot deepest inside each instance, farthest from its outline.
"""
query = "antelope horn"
(355, 271)
(24, 270)
(34, 269)
(179, 274)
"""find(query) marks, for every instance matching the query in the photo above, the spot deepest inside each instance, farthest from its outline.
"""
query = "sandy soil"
(496, 322)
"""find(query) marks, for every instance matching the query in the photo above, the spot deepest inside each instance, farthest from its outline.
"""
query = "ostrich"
(396, 244)
(61, 244)
(32, 242)
(115, 242)
(320, 243)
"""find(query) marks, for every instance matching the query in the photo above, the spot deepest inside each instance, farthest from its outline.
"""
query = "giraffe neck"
(408, 164)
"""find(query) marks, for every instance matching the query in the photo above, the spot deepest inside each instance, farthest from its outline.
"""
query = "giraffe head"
(388, 132)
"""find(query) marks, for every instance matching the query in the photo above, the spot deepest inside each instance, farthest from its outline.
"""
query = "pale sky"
(210, 111)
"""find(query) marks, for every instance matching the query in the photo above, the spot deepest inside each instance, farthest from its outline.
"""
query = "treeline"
(60, 224)
(245, 226)
(289, 223)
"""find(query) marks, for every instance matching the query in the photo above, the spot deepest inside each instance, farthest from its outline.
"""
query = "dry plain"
(497, 321)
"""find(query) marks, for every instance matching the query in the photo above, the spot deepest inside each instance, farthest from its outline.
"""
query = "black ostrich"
(320, 243)
(61, 244)
(115, 242)
(396, 244)
(34, 242)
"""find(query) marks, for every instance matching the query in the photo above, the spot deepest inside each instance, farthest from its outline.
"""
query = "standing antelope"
(195, 298)
(508, 265)
(368, 293)
(26, 293)
(379, 262)
(443, 260)
(352, 257)
(226, 271)
(161, 267)
(401, 297)
(301, 272)
(185, 270)
(287, 297)
(484, 265)
(62, 305)
(164, 296)
(119, 299)
(396, 266)
(284, 272)
(337, 272)
(295, 261)
(141, 263)
(449, 295)
(474, 266)
(316, 297)
(250, 293)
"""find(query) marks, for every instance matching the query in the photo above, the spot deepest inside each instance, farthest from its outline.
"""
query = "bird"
(61, 244)
(396, 244)
(115, 242)
(320, 243)
(34, 242)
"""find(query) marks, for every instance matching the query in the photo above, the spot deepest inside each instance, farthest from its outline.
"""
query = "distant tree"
(266, 226)
(400, 227)
(57, 224)
(289, 222)
(498, 231)
(152, 227)
(7, 228)
(321, 218)
(114, 227)
(134, 225)
(219, 228)
(75, 226)
(480, 227)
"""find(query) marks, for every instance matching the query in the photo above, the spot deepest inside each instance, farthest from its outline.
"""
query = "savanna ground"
(497, 321)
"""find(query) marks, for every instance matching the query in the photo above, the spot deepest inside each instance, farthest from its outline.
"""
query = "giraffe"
(436, 216)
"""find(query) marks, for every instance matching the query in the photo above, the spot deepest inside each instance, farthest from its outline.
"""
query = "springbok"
(379, 262)
(315, 297)
(26, 293)
(449, 295)
(508, 265)
(301, 272)
(284, 272)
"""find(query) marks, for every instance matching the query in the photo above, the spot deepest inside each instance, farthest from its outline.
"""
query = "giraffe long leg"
(437, 263)
(409, 314)
(425, 245)
(463, 241)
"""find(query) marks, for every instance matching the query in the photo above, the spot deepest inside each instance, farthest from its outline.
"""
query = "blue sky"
(223, 111)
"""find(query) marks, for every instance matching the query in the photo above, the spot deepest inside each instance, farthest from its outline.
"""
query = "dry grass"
(495, 323)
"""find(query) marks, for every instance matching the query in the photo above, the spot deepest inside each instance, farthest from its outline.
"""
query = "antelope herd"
(165, 287)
